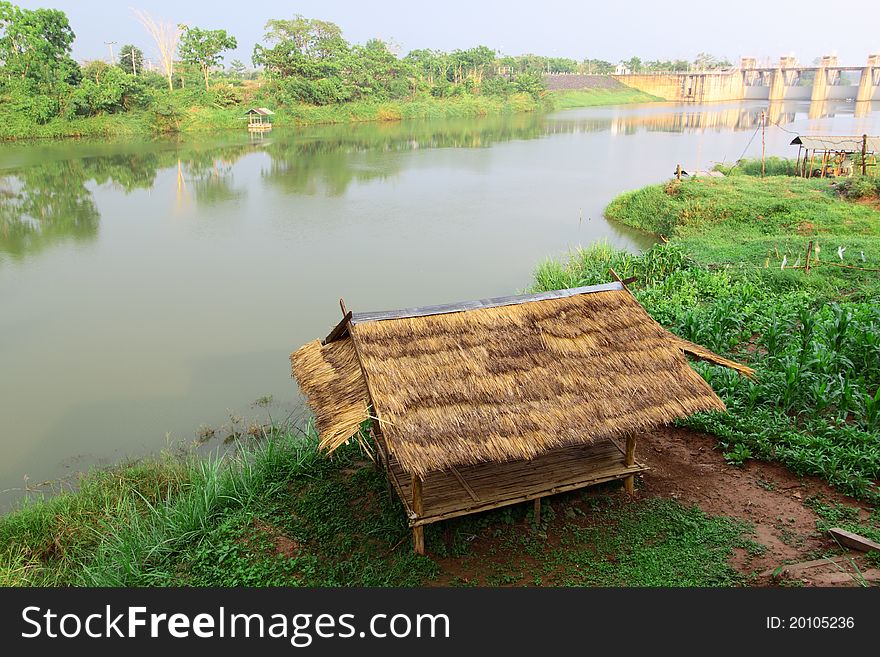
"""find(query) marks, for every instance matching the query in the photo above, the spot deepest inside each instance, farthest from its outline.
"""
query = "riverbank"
(717, 509)
(279, 513)
(176, 118)
(733, 278)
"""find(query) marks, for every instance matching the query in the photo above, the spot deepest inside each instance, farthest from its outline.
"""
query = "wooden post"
(418, 509)
(809, 253)
(812, 155)
(824, 158)
(864, 154)
(763, 144)
(678, 171)
(630, 459)
(797, 166)
(537, 511)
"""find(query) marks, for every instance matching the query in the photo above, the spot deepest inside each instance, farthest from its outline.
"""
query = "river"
(150, 292)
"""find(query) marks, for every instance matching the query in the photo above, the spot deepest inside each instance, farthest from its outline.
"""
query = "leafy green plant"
(738, 455)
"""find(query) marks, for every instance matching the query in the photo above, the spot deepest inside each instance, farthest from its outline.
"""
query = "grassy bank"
(279, 513)
(183, 118)
(571, 99)
(194, 119)
(728, 279)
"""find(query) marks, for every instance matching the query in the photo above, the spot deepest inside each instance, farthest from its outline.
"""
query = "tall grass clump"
(46, 540)
(773, 166)
(137, 546)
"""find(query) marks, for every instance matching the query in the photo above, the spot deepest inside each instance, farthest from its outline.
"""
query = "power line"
(739, 159)
(792, 132)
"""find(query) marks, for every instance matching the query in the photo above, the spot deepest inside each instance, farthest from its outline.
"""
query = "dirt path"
(685, 466)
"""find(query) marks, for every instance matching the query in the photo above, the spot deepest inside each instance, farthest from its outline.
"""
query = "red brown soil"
(686, 466)
(281, 544)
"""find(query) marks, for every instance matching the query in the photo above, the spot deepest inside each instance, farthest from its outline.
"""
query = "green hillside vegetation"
(305, 70)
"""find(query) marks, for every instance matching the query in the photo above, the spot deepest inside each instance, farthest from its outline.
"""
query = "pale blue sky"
(607, 30)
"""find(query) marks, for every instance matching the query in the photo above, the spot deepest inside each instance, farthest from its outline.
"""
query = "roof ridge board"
(493, 302)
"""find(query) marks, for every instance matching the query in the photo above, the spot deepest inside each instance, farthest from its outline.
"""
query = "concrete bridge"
(785, 81)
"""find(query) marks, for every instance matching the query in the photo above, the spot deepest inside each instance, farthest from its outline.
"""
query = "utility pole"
(130, 55)
(109, 45)
(762, 143)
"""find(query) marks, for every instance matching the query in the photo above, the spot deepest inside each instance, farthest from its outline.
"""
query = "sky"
(606, 30)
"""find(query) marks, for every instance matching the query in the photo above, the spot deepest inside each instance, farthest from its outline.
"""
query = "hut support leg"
(418, 509)
(630, 459)
(537, 510)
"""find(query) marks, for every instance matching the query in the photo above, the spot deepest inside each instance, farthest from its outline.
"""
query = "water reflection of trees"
(327, 160)
(49, 201)
(45, 204)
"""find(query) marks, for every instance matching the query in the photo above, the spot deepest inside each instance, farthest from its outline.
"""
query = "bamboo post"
(824, 158)
(537, 511)
(809, 253)
(629, 460)
(797, 167)
(418, 510)
(812, 156)
(763, 143)
(864, 154)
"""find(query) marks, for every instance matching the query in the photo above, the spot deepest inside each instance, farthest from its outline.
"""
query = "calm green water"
(150, 293)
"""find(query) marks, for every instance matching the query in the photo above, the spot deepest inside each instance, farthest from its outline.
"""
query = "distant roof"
(262, 111)
(848, 143)
(503, 379)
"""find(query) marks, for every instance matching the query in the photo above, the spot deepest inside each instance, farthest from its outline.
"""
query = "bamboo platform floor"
(472, 489)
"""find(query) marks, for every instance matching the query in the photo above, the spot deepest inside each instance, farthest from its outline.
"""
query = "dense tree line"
(300, 60)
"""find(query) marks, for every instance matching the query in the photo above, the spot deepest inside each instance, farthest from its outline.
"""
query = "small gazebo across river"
(259, 119)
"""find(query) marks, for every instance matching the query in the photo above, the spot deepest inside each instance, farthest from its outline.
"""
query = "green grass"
(280, 514)
(178, 116)
(814, 338)
(601, 540)
(570, 99)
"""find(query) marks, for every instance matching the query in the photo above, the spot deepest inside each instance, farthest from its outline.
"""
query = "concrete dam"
(785, 81)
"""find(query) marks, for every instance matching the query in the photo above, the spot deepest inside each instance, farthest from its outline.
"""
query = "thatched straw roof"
(502, 381)
(331, 378)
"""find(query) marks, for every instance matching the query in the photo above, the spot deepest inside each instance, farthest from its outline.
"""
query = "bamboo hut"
(483, 404)
(833, 155)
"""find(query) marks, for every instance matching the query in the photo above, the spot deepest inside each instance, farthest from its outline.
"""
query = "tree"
(94, 70)
(303, 47)
(634, 64)
(705, 61)
(562, 65)
(166, 36)
(373, 70)
(236, 68)
(596, 67)
(203, 48)
(131, 59)
(35, 44)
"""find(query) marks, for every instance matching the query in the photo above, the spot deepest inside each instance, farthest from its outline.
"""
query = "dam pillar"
(779, 80)
(823, 79)
(868, 81)
(777, 86)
